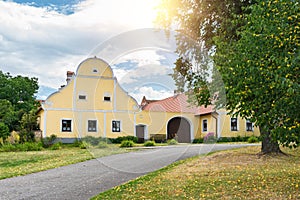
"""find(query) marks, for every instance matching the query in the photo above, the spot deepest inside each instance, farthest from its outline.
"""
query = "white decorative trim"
(104, 126)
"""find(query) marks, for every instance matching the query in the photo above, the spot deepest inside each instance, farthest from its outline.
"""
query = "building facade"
(94, 104)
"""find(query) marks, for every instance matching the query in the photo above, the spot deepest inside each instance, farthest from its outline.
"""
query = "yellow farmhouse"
(94, 104)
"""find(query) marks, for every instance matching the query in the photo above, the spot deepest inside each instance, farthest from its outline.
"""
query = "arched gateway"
(180, 128)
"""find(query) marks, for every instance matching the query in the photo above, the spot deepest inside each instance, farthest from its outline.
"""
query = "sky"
(45, 39)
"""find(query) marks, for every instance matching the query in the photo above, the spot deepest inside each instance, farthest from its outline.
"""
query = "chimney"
(69, 76)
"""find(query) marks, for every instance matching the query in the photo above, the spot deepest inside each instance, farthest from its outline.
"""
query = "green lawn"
(233, 174)
(21, 163)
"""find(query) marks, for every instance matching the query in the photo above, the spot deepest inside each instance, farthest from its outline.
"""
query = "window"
(249, 125)
(92, 125)
(66, 125)
(95, 71)
(116, 126)
(233, 124)
(106, 98)
(204, 125)
(82, 97)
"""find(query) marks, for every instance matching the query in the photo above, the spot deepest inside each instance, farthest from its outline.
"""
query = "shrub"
(84, 145)
(209, 138)
(26, 136)
(14, 138)
(149, 143)
(119, 140)
(4, 131)
(127, 143)
(198, 140)
(102, 145)
(48, 141)
(76, 143)
(252, 139)
(56, 146)
(27, 146)
(91, 140)
(172, 142)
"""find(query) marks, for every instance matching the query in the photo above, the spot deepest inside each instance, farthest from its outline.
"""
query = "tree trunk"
(268, 145)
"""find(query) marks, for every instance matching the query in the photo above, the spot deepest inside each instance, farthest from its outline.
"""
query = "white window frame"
(252, 126)
(237, 123)
(203, 125)
(92, 131)
(120, 127)
(107, 94)
(61, 125)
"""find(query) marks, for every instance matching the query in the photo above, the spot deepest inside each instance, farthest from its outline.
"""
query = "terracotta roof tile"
(177, 103)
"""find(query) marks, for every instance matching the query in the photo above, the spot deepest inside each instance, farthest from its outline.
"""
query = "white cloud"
(38, 41)
(150, 93)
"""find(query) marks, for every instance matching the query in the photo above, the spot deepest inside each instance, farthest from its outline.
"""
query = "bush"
(84, 145)
(4, 131)
(253, 139)
(209, 138)
(14, 138)
(127, 143)
(76, 143)
(102, 145)
(198, 141)
(56, 146)
(27, 146)
(49, 141)
(119, 140)
(149, 143)
(172, 142)
(26, 136)
(158, 138)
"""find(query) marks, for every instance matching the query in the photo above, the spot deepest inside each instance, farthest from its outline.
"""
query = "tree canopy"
(254, 46)
(16, 98)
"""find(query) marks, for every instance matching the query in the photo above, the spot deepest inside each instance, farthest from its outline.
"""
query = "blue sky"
(45, 39)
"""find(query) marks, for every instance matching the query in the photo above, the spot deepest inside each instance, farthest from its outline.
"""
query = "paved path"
(86, 179)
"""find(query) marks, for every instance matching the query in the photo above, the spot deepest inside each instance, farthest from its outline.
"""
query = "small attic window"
(82, 97)
(95, 70)
(106, 98)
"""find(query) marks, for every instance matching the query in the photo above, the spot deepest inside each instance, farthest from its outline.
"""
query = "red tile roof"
(176, 103)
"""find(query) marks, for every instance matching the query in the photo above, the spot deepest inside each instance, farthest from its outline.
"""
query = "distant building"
(94, 104)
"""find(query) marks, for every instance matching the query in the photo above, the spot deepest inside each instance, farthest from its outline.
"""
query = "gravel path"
(86, 179)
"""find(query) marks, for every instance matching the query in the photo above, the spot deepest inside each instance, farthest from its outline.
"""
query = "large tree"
(255, 49)
(17, 96)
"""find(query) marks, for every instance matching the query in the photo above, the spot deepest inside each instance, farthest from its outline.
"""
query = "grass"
(21, 163)
(233, 174)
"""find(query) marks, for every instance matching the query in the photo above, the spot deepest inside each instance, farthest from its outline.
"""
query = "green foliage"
(158, 138)
(76, 143)
(27, 146)
(198, 140)
(94, 141)
(266, 60)
(17, 97)
(56, 146)
(102, 145)
(127, 143)
(26, 136)
(253, 139)
(149, 143)
(4, 131)
(49, 141)
(172, 142)
(119, 140)
(84, 145)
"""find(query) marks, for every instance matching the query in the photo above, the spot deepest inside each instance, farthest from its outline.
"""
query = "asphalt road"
(86, 179)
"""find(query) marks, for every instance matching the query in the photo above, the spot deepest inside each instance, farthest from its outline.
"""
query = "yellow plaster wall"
(226, 128)
(87, 66)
